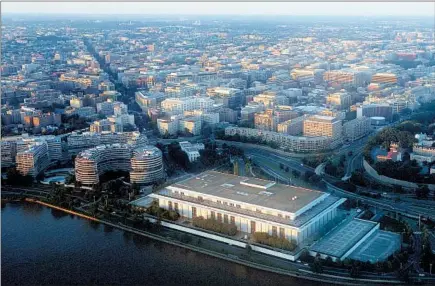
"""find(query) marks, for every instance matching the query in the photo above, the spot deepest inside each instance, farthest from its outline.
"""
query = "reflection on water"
(43, 246)
(57, 214)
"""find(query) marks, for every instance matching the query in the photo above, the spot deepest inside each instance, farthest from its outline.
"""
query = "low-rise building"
(192, 150)
(253, 205)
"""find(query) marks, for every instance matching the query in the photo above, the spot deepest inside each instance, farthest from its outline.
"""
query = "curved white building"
(92, 163)
(146, 165)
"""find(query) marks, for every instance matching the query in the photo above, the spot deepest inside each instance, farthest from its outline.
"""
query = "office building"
(291, 143)
(318, 125)
(176, 106)
(190, 124)
(339, 100)
(356, 128)
(105, 125)
(292, 126)
(375, 110)
(227, 115)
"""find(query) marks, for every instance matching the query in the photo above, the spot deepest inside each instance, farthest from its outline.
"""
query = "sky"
(216, 8)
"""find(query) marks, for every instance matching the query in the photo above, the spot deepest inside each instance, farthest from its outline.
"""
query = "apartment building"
(356, 128)
(146, 165)
(293, 126)
(318, 125)
(33, 160)
(339, 100)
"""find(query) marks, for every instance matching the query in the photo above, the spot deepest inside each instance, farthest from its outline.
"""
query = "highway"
(404, 208)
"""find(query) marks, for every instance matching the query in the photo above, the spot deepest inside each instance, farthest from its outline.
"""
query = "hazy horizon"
(369, 9)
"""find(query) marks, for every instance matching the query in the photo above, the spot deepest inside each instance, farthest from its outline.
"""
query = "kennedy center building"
(252, 204)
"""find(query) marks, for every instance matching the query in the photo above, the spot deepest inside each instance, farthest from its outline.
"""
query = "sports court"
(341, 239)
(377, 247)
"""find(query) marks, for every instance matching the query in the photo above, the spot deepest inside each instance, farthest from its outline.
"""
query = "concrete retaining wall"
(384, 179)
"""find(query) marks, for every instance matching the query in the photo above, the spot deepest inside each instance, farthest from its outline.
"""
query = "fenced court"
(378, 247)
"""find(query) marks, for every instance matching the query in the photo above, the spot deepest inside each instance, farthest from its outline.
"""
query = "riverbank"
(299, 273)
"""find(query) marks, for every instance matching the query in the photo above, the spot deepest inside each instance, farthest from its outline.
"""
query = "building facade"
(253, 205)
(356, 128)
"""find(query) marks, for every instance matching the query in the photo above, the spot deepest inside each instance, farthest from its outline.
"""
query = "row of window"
(201, 199)
(232, 220)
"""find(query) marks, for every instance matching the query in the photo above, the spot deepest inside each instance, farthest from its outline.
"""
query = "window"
(200, 199)
(231, 204)
(274, 231)
(176, 192)
(252, 226)
(287, 217)
(213, 215)
(170, 206)
(238, 206)
(258, 210)
(219, 216)
(225, 203)
(279, 215)
(225, 218)
(218, 201)
(176, 207)
(281, 232)
(182, 193)
(232, 220)
(193, 212)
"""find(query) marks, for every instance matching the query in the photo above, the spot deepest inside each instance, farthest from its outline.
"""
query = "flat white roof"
(262, 193)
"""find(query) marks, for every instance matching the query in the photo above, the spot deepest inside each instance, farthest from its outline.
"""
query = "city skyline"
(226, 8)
(298, 136)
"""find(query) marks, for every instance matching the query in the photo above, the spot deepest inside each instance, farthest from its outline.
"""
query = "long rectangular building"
(292, 143)
(252, 204)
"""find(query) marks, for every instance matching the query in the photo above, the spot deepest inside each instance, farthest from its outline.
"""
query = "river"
(42, 246)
